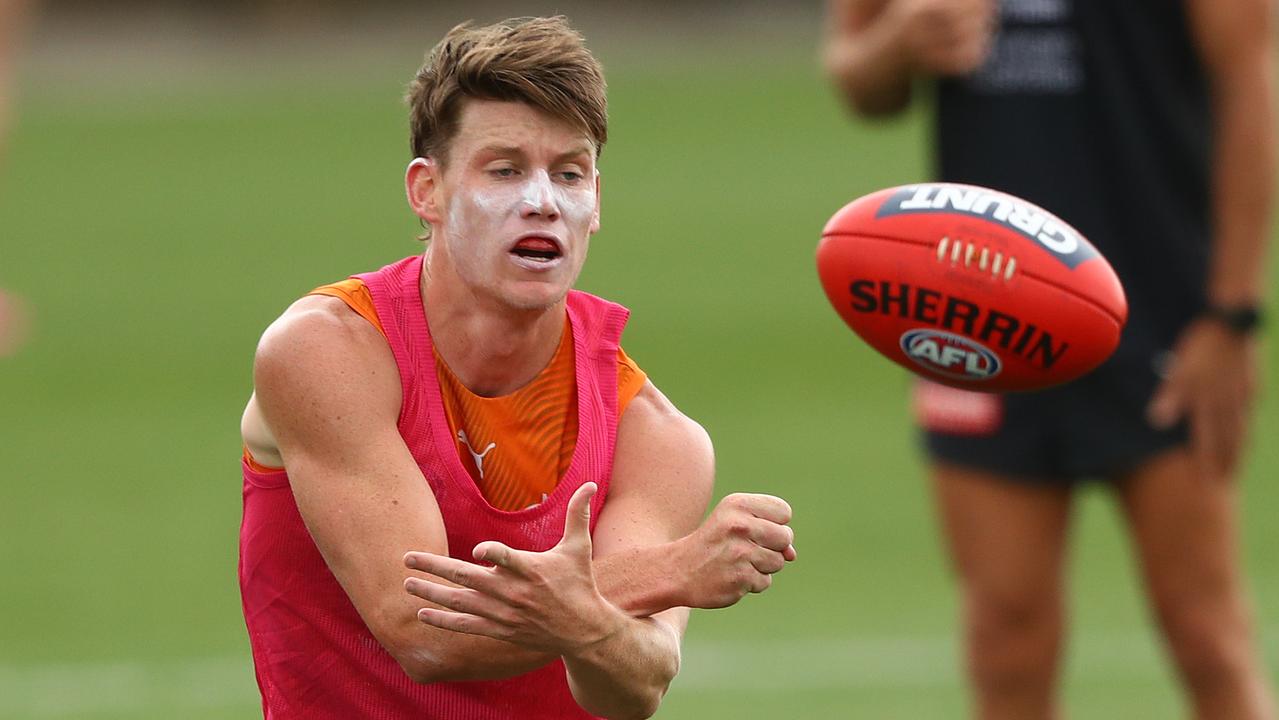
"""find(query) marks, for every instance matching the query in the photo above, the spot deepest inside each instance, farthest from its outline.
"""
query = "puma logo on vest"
(479, 456)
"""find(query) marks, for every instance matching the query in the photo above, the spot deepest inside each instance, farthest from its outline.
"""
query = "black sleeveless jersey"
(1098, 110)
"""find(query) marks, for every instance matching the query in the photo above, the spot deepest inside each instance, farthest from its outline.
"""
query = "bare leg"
(1007, 542)
(1184, 528)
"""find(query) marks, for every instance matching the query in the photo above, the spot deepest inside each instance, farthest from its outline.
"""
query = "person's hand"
(1211, 385)
(943, 37)
(741, 544)
(544, 601)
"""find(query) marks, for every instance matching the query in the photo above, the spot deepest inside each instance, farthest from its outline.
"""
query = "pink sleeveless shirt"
(313, 655)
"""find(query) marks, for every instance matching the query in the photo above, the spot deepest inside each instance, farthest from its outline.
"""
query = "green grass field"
(156, 227)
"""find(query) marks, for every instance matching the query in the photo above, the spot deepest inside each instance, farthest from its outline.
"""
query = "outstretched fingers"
(470, 608)
(460, 600)
(511, 600)
(458, 572)
(465, 623)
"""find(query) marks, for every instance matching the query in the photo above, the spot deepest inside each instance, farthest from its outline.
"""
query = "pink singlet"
(313, 655)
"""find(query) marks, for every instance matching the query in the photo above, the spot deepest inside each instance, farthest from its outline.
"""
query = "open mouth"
(537, 249)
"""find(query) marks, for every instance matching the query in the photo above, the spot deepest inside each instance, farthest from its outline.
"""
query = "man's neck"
(492, 349)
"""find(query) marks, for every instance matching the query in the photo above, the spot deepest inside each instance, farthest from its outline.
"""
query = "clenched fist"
(738, 548)
(943, 37)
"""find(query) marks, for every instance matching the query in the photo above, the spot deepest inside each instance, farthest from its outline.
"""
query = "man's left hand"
(544, 601)
(1211, 384)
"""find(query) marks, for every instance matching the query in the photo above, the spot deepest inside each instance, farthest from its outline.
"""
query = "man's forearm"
(457, 657)
(626, 674)
(642, 581)
(870, 71)
(1243, 182)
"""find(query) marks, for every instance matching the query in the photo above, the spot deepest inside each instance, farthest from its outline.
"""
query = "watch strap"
(1241, 319)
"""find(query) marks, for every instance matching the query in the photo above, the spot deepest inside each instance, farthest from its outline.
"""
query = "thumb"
(1167, 406)
(577, 521)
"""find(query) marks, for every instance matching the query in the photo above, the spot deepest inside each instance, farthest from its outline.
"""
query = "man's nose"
(539, 197)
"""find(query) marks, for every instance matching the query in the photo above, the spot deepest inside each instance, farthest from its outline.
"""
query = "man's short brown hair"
(539, 61)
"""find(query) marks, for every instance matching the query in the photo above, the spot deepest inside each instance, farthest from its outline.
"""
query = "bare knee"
(1014, 637)
(1210, 645)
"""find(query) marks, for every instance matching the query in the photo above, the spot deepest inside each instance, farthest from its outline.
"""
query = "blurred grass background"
(174, 181)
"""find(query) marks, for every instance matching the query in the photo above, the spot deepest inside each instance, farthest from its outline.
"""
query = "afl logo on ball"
(950, 355)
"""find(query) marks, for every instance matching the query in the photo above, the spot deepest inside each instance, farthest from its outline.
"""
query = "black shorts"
(1092, 428)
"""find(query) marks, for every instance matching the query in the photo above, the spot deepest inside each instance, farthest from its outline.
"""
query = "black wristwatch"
(1239, 319)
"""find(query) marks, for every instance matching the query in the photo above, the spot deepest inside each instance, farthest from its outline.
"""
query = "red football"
(971, 287)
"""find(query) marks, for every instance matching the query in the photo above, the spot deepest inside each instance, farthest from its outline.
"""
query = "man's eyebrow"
(500, 149)
(503, 150)
(582, 149)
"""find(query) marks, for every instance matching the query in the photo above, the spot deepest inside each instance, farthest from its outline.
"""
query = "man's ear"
(595, 220)
(422, 187)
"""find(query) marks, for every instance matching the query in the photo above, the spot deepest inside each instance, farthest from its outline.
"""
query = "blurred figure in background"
(1150, 127)
(13, 15)
(13, 323)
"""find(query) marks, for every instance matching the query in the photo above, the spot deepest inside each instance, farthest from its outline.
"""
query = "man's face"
(518, 202)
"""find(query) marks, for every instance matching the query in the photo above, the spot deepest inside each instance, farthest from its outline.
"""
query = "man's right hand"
(875, 49)
(739, 547)
(942, 37)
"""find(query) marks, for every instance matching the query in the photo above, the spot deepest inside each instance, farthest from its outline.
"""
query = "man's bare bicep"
(663, 476)
(329, 390)
(321, 377)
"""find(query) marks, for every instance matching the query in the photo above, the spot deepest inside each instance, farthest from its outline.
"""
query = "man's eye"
(503, 172)
(570, 176)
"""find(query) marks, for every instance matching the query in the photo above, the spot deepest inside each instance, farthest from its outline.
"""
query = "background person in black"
(1149, 125)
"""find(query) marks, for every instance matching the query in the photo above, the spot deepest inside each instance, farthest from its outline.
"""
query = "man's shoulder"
(651, 419)
(664, 458)
(319, 343)
(316, 319)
